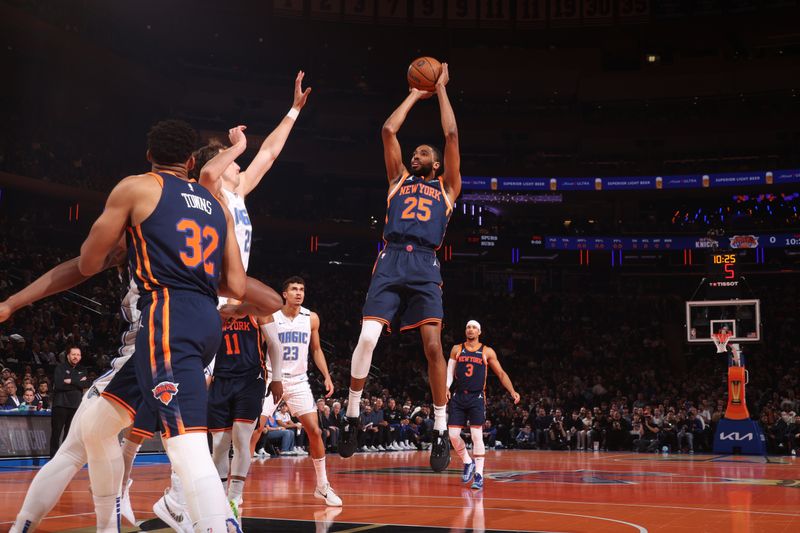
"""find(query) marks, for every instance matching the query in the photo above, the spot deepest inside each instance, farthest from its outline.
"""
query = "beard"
(423, 170)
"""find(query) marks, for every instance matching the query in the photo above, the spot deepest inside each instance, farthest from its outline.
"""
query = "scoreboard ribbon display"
(619, 183)
(762, 240)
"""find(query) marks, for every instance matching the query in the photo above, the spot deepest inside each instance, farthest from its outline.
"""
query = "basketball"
(423, 73)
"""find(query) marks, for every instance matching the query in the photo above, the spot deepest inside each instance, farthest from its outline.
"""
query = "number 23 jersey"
(295, 336)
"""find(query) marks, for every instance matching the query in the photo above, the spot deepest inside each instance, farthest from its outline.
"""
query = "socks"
(235, 489)
(439, 418)
(176, 489)
(353, 403)
(108, 517)
(479, 464)
(129, 451)
(319, 468)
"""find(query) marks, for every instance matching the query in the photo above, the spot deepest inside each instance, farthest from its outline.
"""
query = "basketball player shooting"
(419, 205)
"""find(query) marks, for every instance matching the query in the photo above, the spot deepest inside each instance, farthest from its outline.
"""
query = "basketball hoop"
(721, 339)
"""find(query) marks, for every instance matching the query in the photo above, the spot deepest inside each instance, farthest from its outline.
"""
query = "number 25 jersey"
(417, 211)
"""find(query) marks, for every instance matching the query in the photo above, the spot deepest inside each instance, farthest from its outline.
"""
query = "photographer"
(525, 438)
(559, 439)
(668, 436)
(648, 433)
(619, 431)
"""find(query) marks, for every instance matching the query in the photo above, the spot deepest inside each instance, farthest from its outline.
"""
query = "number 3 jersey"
(470, 374)
(180, 245)
(295, 336)
(417, 211)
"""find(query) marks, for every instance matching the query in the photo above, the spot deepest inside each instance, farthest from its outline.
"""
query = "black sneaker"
(348, 437)
(440, 451)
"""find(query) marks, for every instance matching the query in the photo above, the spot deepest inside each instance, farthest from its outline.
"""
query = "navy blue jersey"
(241, 350)
(417, 211)
(470, 375)
(181, 244)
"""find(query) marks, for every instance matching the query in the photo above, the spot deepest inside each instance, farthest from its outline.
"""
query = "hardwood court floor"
(524, 491)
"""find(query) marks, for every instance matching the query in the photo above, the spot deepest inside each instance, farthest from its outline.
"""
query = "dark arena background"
(630, 187)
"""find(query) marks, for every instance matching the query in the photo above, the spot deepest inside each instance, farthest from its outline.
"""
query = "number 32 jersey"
(180, 245)
(417, 211)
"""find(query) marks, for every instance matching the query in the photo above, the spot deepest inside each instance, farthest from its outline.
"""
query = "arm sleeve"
(274, 350)
(451, 371)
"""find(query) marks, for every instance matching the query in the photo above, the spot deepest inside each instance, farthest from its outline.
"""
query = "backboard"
(741, 317)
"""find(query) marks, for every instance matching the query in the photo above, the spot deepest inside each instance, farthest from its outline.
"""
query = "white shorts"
(100, 384)
(296, 394)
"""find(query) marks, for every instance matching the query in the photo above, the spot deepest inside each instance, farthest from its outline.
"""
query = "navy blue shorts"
(234, 400)
(467, 409)
(123, 388)
(180, 333)
(406, 279)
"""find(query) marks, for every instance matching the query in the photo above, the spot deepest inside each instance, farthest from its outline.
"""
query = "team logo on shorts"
(165, 391)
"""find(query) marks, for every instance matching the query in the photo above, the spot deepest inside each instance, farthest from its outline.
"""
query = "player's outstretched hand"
(237, 137)
(444, 77)
(515, 396)
(328, 387)
(300, 95)
(276, 388)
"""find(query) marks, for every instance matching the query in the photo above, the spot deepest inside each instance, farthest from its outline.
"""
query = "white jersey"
(242, 225)
(295, 336)
(131, 314)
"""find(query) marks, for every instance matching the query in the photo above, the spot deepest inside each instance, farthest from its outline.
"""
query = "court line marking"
(637, 527)
(361, 528)
(57, 516)
(659, 506)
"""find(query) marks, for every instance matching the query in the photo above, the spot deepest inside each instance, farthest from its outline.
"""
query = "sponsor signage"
(680, 181)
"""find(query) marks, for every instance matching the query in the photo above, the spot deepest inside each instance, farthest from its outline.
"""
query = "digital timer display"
(728, 264)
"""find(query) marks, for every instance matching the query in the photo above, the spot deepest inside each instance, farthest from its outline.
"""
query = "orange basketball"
(423, 73)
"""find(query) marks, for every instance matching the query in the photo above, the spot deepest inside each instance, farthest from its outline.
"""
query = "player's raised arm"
(273, 144)
(109, 228)
(61, 277)
(452, 156)
(211, 173)
(233, 281)
(392, 155)
(494, 364)
(319, 355)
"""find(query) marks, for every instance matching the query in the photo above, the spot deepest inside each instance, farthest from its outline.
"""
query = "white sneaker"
(262, 453)
(381, 448)
(362, 449)
(408, 445)
(300, 451)
(125, 508)
(326, 493)
(392, 447)
(173, 514)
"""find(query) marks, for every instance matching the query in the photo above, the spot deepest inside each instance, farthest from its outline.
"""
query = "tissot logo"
(735, 436)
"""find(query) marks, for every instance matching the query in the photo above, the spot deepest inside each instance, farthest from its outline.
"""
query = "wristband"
(293, 113)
